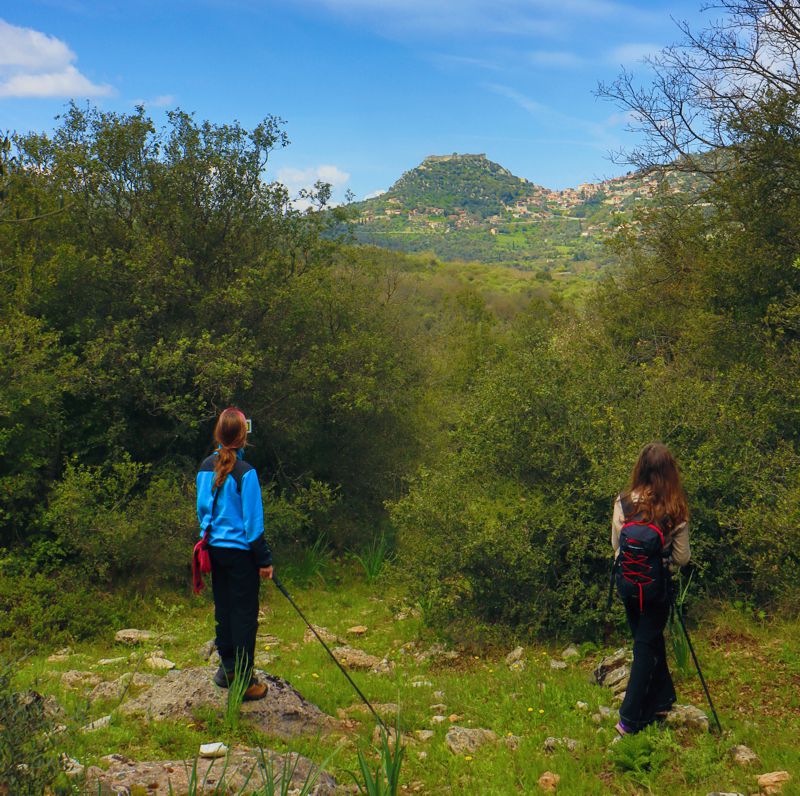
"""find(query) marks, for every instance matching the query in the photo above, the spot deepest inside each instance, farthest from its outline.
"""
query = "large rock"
(467, 740)
(772, 783)
(360, 661)
(244, 771)
(114, 689)
(617, 679)
(282, 713)
(617, 659)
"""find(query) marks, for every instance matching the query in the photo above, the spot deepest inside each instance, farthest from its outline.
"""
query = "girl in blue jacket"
(229, 500)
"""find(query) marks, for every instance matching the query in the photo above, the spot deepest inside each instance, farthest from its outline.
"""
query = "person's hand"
(265, 572)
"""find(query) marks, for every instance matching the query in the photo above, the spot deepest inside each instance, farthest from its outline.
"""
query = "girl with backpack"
(231, 517)
(649, 533)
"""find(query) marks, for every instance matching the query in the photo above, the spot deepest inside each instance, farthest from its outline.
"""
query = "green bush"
(29, 759)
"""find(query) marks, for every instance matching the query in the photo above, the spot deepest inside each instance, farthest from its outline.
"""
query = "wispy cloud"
(598, 134)
(375, 194)
(34, 64)
(632, 53)
(556, 58)
(458, 17)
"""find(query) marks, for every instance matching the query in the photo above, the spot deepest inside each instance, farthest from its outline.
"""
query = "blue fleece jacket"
(238, 519)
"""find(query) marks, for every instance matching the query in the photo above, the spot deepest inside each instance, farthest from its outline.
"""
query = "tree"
(699, 108)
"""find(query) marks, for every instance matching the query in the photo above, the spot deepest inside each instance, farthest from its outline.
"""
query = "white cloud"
(375, 194)
(297, 180)
(161, 101)
(33, 64)
(632, 53)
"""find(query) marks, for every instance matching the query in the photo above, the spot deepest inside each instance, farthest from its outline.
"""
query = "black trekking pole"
(678, 609)
(282, 590)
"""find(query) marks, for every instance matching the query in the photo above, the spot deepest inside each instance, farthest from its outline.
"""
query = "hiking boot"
(254, 691)
(222, 678)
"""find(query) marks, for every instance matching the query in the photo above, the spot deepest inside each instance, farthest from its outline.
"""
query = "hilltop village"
(464, 206)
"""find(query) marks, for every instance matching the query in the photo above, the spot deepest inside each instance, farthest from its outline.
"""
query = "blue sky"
(367, 87)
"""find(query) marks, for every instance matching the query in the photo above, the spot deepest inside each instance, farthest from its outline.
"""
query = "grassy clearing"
(752, 666)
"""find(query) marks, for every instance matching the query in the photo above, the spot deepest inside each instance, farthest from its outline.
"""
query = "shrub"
(29, 760)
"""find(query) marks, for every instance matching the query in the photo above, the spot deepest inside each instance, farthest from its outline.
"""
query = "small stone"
(604, 711)
(687, 716)
(517, 666)
(438, 694)
(548, 782)
(421, 684)
(467, 740)
(743, 755)
(597, 718)
(208, 649)
(725, 793)
(97, 724)
(517, 654)
(76, 679)
(71, 767)
(159, 663)
(582, 706)
(323, 633)
(211, 751)
(111, 661)
(358, 630)
(422, 755)
(552, 744)
(424, 735)
(554, 664)
(453, 718)
(132, 636)
(512, 742)
(439, 707)
(358, 660)
(773, 782)
(570, 652)
(438, 719)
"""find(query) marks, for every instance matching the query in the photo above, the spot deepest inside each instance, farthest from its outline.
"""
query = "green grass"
(752, 667)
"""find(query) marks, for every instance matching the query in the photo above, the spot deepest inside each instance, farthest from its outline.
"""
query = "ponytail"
(231, 434)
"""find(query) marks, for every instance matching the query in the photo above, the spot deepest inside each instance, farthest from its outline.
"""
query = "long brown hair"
(231, 434)
(656, 490)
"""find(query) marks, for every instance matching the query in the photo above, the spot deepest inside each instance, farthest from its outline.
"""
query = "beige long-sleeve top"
(680, 539)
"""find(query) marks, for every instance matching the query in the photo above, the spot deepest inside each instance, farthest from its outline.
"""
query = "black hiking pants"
(650, 689)
(235, 583)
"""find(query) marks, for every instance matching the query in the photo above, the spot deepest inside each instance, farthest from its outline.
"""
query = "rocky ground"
(527, 719)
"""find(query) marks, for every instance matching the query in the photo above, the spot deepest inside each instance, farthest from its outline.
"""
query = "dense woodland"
(149, 277)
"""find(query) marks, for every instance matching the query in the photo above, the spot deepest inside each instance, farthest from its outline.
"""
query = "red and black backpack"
(640, 568)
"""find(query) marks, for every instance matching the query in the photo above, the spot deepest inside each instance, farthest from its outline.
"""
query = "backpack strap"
(627, 506)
